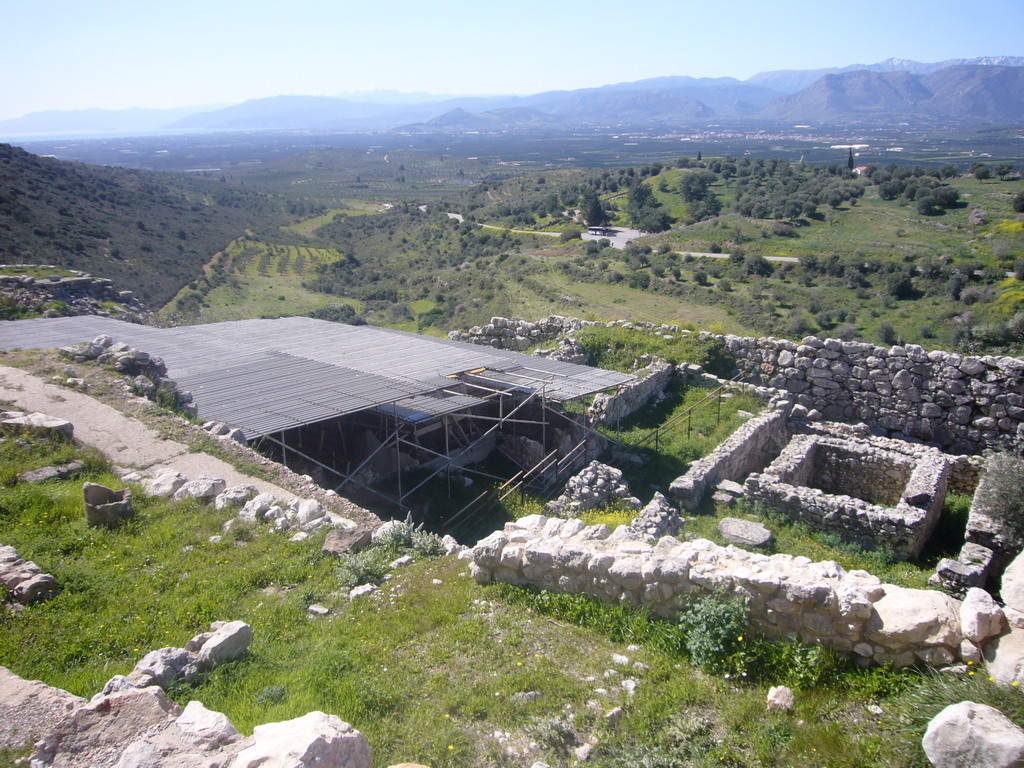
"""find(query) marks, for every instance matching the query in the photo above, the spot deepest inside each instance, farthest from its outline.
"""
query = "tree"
(849, 161)
(981, 171)
(594, 213)
(1018, 202)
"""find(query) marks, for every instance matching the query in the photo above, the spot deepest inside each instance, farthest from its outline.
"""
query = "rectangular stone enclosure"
(859, 490)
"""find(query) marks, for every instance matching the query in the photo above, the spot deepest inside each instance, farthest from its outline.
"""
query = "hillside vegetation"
(149, 232)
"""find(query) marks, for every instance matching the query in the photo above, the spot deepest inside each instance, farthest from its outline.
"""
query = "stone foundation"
(749, 448)
(858, 490)
(788, 597)
(611, 408)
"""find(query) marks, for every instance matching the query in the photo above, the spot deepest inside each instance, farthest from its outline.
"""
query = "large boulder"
(1004, 657)
(97, 733)
(970, 735)
(315, 740)
(30, 709)
(912, 617)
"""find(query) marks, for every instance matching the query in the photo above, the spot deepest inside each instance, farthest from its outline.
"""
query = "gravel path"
(124, 440)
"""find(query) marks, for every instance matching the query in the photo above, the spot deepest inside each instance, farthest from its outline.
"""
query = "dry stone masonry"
(147, 372)
(963, 403)
(856, 489)
(81, 293)
(598, 485)
(518, 335)
(850, 611)
(612, 407)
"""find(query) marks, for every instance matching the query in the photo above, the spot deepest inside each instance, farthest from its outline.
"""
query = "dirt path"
(124, 440)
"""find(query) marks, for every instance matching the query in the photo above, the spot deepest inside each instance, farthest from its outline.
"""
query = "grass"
(428, 671)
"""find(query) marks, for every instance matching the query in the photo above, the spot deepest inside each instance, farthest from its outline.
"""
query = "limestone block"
(905, 617)
(204, 488)
(744, 533)
(968, 734)
(228, 642)
(781, 699)
(40, 423)
(202, 727)
(1012, 587)
(980, 616)
(165, 484)
(311, 741)
(236, 495)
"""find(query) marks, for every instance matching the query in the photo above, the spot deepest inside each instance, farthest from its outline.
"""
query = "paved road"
(622, 236)
(124, 440)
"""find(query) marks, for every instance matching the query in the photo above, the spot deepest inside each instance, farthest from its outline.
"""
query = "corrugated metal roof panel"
(268, 375)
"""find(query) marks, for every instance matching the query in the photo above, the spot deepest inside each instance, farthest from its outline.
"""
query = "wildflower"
(519, 663)
(451, 746)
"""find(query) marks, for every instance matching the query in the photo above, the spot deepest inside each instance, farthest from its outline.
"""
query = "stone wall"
(518, 335)
(856, 490)
(612, 407)
(750, 447)
(82, 293)
(852, 612)
(964, 403)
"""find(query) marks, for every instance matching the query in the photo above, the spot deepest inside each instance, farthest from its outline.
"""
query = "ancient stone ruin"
(23, 581)
(850, 611)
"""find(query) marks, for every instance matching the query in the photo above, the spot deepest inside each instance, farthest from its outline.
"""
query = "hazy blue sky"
(74, 54)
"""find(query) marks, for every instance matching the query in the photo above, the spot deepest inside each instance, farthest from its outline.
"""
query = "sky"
(115, 54)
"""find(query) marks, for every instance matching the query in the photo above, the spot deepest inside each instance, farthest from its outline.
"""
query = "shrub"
(1000, 492)
(368, 566)
(713, 628)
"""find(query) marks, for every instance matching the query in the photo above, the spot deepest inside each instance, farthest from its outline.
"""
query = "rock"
(318, 610)
(51, 473)
(228, 642)
(162, 667)
(308, 512)
(235, 496)
(40, 424)
(744, 533)
(203, 727)
(315, 740)
(914, 616)
(258, 507)
(340, 541)
(1004, 657)
(360, 591)
(1012, 585)
(451, 546)
(781, 699)
(970, 735)
(401, 562)
(204, 488)
(30, 709)
(105, 507)
(103, 728)
(980, 616)
(165, 484)
(659, 518)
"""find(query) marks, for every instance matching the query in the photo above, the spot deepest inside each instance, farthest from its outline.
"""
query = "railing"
(714, 395)
(549, 471)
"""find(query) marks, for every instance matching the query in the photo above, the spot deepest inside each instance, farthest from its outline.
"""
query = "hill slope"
(147, 231)
(962, 92)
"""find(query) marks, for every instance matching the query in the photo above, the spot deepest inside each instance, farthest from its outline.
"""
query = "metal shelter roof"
(266, 376)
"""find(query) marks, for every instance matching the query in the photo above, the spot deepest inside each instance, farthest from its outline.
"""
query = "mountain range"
(986, 89)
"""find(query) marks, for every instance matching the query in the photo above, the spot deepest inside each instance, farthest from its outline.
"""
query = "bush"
(368, 566)
(1000, 493)
(713, 628)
